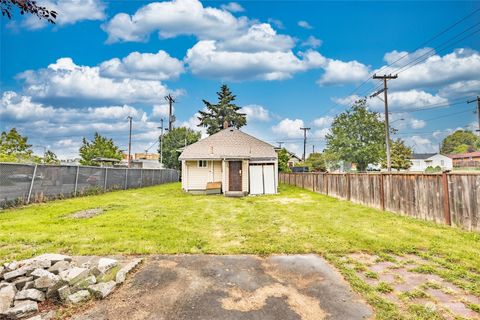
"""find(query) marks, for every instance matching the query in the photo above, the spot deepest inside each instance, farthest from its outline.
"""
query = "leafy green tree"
(98, 147)
(225, 110)
(316, 162)
(175, 140)
(400, 156)
(283, 157)
(460, 141)
(14, 147)
(50, 158)
(357, 136)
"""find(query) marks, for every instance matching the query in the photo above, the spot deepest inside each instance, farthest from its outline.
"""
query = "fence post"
(76, 182)
(141, 178)
(325, 180)
(31, 183)
(382, 192)
(446, 200)
(347, 176)
(126, 178)
(105, 182)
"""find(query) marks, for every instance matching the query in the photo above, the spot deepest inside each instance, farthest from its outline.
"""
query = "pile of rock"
(59, 278)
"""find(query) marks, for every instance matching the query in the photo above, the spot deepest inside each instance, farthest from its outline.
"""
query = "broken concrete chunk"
(37, 273)
(14, 274)
(30, 294)
(53, 257)
(31, 265)
(88, 281)
(22, 309)
(44, 316)
(7, 294)
(29, 285)
(46, 280)
(64, 292)
(74, 275)
(103, 289)
(59, 267)
(52, 292)
(105, 264)
(21, 281)
(80, 296)
(122, 273)
(11, 266)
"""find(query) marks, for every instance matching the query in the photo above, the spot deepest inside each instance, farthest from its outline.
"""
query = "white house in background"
(232, 162)
(420, 161)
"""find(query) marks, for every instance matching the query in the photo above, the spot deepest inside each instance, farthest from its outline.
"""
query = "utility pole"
(313, 148)
(387, 126)
(280, 144)
(171, 117)
(161, 140)
(130, 142)
(478, 111)
(304, 141)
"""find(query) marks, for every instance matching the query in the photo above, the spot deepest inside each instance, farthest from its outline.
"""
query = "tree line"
(356, 136)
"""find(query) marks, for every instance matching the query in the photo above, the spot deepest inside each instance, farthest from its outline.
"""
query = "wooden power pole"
(478, 111)
(171, 117)
(387, 126)
(130, 142)
(304, 141)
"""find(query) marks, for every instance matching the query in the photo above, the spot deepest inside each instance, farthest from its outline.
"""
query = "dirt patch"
(403, 281)
(285, 201)
(89, 213)
(306, 307)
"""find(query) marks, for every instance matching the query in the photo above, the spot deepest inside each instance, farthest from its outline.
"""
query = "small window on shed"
(202, 164)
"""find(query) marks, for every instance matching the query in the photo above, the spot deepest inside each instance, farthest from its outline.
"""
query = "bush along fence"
(446, 198)
(25, 183)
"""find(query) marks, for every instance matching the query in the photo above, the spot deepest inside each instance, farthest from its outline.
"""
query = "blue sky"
(290, 63)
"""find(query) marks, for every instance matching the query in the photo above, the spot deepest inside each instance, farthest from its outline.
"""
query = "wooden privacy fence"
(448, 198)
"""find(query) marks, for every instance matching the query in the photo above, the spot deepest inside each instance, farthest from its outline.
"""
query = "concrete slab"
(302, 287)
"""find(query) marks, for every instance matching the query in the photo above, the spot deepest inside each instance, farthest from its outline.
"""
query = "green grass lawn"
(163, 219)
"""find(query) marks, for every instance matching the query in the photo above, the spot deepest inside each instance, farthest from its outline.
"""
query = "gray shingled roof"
(422, 156)
(229, 143)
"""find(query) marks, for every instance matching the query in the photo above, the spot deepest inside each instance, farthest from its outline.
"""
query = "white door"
(256, 180)
(269, 179)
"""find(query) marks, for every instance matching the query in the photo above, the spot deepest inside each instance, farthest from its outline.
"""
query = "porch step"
(234, 194)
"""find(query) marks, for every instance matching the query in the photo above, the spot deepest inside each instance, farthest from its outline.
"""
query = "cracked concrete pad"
(299, 287)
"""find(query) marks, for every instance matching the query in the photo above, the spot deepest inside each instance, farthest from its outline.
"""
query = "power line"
(432, 38)
(414, 50)
(433, 51)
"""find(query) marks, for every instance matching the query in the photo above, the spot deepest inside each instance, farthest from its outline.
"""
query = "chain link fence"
(27, 183)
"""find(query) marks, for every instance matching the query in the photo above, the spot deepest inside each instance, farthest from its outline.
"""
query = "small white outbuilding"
(236, 162)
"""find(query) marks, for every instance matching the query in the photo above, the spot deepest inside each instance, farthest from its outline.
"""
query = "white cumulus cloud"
(232, 7)
(289, 128)
(304, 24)
(146, 66)
(256, 113)
(69, 12)
(68, 82)
(174, 18)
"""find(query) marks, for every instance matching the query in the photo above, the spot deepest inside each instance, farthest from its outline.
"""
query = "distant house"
(232, 161)
(293, 158)
(421, 161)
(470, 159)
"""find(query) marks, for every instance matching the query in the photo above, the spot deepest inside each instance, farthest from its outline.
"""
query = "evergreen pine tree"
(225, 110)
